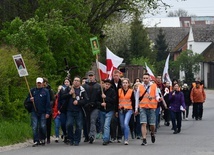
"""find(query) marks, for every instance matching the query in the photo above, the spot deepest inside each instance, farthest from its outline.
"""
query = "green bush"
(13, 88)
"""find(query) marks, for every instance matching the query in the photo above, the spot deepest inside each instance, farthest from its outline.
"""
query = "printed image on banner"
(95, 45)
(20, 65)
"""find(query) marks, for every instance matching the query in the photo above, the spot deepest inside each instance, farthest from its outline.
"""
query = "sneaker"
(91, 140)
(57, 140)
(35, 144)
(48, 141)
(86, 140)
(112, 140)
(126, 142)
(105, 143)
(65, 139)
(138, 137)
(119, 141)
(42, 142)
(76, 144)
(175, 132)
(153, 137)
(132, 135)
(178, 130)
(144, 142)
(99, 136)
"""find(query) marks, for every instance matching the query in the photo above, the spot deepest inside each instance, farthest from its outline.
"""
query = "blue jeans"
(105, 121)
(175, 117)
(74, 118)
(157, 113)
(124, 116)
(63, 118)
(38, 122)
(57, 125)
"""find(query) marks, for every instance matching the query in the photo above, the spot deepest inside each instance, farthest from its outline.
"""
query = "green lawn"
(12, 132)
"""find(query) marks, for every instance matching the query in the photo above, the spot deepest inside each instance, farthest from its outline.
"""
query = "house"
(199, 39)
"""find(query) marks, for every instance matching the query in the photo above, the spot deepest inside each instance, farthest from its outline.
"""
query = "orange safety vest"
(125, 100)
(149, 99)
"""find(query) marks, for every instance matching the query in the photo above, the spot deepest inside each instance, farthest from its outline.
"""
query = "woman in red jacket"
(56, 115)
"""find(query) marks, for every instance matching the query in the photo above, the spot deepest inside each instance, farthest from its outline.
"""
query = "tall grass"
(12, 132)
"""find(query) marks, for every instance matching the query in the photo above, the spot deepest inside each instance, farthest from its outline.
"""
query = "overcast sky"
(193, 7)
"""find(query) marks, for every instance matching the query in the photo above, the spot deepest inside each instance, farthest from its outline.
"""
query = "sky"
(193, 7)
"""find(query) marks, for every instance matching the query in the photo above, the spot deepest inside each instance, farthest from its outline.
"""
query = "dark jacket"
(187, 99)
(93, 91)
(41, 100)
(62, 106)
(116, 88)
(81, 97)
(176, 101)
(110, 100)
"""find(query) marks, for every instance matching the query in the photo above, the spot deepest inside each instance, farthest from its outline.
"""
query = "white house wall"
(198, 47)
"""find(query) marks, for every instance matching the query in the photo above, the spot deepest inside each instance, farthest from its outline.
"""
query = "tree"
(140, 43)
(24, 9)
(51, 40)
(179, 13)
(141, 61)
(118, 40)
(162, 51)
(161, 46)
(189, 62)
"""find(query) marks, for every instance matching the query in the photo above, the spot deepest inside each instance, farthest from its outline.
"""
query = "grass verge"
(12, 132)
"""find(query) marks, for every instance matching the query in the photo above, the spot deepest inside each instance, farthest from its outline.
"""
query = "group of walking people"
(123, 108)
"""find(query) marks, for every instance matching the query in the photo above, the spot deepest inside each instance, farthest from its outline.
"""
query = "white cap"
(39, 79)
(185, 85)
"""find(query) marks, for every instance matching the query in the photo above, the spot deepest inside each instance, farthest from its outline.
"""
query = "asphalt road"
(196, 138)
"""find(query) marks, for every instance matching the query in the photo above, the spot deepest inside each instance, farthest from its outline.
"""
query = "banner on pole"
(95, 45)
(20, 65)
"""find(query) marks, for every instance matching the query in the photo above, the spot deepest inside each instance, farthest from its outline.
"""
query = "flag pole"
(97, 62)
(29, 92)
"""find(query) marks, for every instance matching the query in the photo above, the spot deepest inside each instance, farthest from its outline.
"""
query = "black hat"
(197, 82)
(107, 81)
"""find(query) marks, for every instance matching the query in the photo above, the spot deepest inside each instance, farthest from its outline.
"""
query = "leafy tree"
(139, 44)
(50, 40)
(118, 40)
(189, 62)
(141, 61)
(24, 9)
(161, 46)
(162, 51)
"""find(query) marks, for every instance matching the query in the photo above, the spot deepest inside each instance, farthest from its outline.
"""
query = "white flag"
(165, 77)
(149, 71)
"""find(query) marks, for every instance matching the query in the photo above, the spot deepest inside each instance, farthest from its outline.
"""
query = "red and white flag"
(102, 69)
(112, 62)
(149, 71)
(165, 77)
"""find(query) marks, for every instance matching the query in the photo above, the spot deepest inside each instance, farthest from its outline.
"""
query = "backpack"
(28, 104)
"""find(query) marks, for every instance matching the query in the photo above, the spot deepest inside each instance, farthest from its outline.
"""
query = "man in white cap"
(40, 111)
